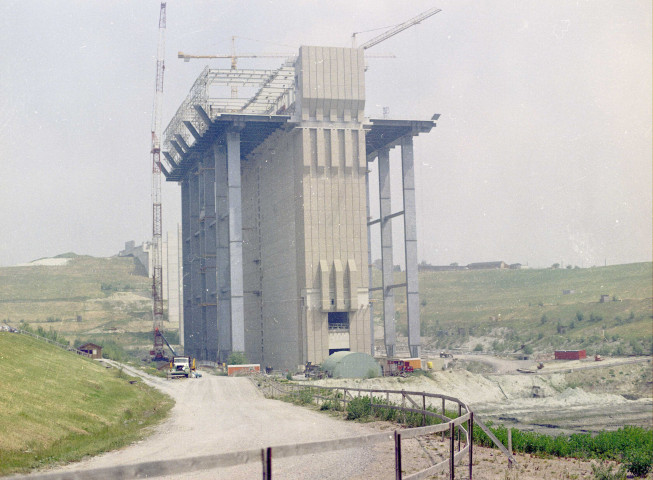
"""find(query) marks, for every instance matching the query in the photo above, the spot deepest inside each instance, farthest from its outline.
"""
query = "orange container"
(416, 363)
(243, 369)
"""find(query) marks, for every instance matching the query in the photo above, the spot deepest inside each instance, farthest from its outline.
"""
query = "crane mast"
(157, 248)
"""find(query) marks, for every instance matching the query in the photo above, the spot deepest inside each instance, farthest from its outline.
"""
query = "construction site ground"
(215, 414)
(574, 396)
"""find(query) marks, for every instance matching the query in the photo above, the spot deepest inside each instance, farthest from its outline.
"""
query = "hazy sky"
(542, 153)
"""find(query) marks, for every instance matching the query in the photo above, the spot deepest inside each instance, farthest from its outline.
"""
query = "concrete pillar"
(235, 242)
(231, 311)
(369, 259)
(197, 328)
(410, 241)
(208, 248)
(386, 252)
(185, 247)
(222, 251)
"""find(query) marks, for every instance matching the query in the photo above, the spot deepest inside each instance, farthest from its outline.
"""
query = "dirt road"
(220, 414)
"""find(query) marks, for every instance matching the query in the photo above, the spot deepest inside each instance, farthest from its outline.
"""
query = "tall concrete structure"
(275, 212)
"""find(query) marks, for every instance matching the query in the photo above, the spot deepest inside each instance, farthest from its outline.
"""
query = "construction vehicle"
(181, 366)
(312, 370)
(445, 355)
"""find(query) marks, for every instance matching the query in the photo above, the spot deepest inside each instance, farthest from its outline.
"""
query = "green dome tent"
(351, 365)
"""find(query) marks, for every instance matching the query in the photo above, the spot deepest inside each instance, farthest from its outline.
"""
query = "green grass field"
(59, 407)
(111, 301)
(504, 309)
(528, 306)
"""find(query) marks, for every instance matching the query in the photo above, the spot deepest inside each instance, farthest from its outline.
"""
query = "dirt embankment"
(561, 398)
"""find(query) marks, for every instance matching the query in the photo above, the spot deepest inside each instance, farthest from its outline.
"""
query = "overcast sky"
(542, 153)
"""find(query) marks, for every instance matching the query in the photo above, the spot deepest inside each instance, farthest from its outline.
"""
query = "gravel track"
(223, 414)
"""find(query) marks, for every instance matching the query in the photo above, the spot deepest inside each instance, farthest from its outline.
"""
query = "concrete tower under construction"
(275, 212)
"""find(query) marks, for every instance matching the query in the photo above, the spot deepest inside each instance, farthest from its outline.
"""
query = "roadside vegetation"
(58, 407)
(630, 446)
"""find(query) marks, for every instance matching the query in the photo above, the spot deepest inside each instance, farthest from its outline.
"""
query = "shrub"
(359, 408)
(478, 347)
(638, 461)
(237, 358)
(304, 397)
(604, 472)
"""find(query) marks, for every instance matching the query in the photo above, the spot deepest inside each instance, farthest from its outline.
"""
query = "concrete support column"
(208, 252)
(197, 329)
(386, 252)
(222, 251)
(369, 259)
(235, 242)
(410, 241)
(185, 248)
(229, 251)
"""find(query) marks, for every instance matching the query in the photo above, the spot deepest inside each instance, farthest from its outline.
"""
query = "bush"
(359, 408)
(638, 462)
(237, 358)
(478, 347)
(604, 472)
(305, 397)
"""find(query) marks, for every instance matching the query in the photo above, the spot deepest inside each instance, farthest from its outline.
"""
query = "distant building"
(570, 354)
(425, 267)
(487, 265)
(605, 298)
(95, 351)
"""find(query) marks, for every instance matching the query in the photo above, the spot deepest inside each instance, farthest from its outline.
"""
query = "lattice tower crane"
(157, 352)
(396, 29)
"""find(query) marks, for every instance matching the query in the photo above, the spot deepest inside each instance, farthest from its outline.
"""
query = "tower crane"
(396, 29)
(157, 352)
(234, 59)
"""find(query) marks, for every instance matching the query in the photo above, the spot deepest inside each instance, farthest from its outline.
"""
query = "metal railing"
(451, 425)
(463, 425)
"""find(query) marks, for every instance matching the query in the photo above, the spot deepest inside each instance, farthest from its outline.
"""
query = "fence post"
(424, 408)
(510, 446)
(403, 405)
(460, 413)
(443, 414)
(266, 458)
(397, 455)
(470, 441)
(452, 451)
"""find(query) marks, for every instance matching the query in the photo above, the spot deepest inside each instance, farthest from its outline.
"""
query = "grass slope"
(113, 302)
(59, 407)
(521, 306)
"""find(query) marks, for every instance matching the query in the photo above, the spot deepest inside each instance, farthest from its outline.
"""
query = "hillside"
(59, 407)
(492, 310)
(86, 299)
(504, 309)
